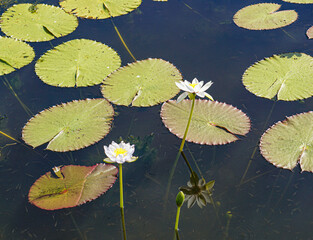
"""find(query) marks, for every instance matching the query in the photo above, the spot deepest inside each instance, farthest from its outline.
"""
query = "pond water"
(201, 40)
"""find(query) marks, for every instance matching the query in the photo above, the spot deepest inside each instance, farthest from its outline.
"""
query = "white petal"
(108, 160)
(114, 144)
(190, 89)
(182, 96)
(209, 96)
(133, 159)
(201, 83)
(195, 80)
(191, 201)
(206, 86)
(200, 94)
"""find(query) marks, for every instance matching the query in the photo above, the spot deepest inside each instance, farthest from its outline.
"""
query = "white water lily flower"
(194, 87)
(119, 153)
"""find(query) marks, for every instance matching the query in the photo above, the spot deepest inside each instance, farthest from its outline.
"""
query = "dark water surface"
(201, 42)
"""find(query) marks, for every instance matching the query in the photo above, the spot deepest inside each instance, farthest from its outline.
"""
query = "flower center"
(193, 85)
(119, 151)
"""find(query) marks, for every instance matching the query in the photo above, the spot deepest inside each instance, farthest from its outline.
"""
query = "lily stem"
(188, 124)
(176, 223)
(122, 200)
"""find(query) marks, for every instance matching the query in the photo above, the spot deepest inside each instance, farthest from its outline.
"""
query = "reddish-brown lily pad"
(77, 185)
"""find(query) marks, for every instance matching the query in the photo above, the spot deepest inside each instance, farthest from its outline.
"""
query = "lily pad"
(14, 54)
(309, 33)
(290, 142)
(79, 62)
(212, 123)
(299, 1)
(287, 77)
(99, 9)
(142, 83)
(264, 16)
(39, 22)
(77, 185)
(70, 126)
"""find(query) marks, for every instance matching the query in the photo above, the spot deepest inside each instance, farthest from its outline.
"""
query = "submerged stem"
(122, 200)
(176, 222)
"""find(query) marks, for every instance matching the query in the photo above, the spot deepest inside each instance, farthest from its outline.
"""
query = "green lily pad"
(79, 62)
(212, 123)
(299, 1)
(264, 16)
(290, 142)
(142, 83)
(35, 23)
(309, 33)
(70, 126)
(99, 9)
(287, 77)
(14, 54)
(77, 185)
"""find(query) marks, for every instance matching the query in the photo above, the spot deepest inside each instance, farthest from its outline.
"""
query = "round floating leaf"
(286, 76)
(264, 16)
(299, 1)
(79, 62)
(99, 9)
(70, 126)
(309, 33)
(142, 83)
(291, 141)
(77, 185)
(37, 22)
(14, 54)
(212, 122)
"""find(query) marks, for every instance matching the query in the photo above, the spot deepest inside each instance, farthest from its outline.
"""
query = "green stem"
(187, 162)
(176, 223)
(122, 200)
(188, 124)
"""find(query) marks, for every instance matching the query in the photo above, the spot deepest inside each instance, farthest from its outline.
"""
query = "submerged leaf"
(212, 122)
(78, 62)
(14, 54)
(264, 16)
(142, 83)
(78, 185)
(70, 126)
(290, 142)
(43, 23)
(286, 76)
(99, 9)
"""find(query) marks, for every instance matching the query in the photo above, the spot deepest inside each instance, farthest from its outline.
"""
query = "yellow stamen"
(119, 151)
(193, 84)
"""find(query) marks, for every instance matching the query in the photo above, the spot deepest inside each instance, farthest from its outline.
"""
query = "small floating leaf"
(142, 83)
(14, 54)
(286, 76)
(70, 126)
(264, 16)
(44, 23)
(99, 9)
(290, 142)
(79, 185)
(299, 1)
(212, 122)
(79, 62)
(309, 33)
